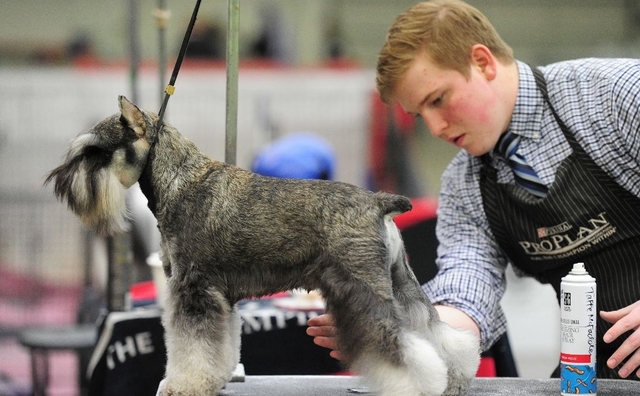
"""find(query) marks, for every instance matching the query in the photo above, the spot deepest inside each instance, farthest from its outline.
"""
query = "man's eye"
(437, 101)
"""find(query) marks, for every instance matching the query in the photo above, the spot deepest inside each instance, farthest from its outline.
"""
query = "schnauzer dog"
(229, 234)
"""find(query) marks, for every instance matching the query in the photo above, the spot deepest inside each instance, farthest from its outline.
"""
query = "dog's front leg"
(200, 327)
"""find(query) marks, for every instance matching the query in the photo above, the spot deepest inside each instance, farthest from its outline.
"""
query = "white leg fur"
(423, 372)
(196, 364)
(394, 243)
(235, 332)
(461, 350)
(418, 316)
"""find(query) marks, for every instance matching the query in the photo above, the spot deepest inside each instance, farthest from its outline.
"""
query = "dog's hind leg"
(373, 331)
(458, 348)
(406, 288)
(201, 349)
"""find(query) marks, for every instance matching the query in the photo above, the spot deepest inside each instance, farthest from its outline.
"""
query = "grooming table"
(342, 386)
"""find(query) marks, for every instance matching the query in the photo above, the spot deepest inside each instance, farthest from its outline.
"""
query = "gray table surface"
(339, 386)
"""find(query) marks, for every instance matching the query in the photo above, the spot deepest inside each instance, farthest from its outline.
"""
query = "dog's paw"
(458, 387)
(461, 351)
(171, 387)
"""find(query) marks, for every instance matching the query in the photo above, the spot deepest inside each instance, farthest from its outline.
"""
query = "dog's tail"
(393, 204)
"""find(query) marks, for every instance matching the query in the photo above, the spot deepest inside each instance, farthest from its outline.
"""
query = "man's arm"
(458, 319)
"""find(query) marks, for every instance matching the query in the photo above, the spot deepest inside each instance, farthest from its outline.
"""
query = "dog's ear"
(133, 116)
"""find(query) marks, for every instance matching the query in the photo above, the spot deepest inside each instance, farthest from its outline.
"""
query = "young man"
(444, 62)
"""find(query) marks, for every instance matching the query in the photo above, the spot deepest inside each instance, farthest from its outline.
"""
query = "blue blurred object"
(299, 156)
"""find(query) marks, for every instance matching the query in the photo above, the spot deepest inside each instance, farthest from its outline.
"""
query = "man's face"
(464, 112)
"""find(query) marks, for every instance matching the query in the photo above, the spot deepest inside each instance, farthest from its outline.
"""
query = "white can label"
(578, 337)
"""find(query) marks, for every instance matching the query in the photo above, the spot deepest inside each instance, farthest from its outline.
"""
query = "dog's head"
(101, 163)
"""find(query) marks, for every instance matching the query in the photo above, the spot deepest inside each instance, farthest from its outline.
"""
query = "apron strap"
(541, 83)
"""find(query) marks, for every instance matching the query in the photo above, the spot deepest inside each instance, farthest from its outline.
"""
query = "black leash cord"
(183, 50)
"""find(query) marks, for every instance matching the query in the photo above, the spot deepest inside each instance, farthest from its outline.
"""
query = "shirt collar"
(526, 119)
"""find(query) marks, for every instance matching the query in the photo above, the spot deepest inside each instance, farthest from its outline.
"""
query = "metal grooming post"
(119, 247)
(134, 50)
(231, 132)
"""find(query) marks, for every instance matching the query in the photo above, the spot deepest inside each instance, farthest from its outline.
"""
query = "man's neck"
(509, 83)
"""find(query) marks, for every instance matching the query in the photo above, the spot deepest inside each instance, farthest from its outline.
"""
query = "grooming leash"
(144, 181)
(170, 89)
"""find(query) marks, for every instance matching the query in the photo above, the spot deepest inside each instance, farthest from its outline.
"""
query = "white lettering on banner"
(140, 343)
(560, 243)
(256, 321)
(144, 343)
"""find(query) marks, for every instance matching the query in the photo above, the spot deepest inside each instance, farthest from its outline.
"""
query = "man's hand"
(625, 319)
(323, 330)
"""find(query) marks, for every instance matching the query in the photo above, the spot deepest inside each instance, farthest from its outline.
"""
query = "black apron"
(586, 217)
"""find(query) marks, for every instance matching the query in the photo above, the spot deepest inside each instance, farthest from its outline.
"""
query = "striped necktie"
(523, 173)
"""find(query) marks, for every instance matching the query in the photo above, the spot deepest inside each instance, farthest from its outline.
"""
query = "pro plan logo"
(565, 239)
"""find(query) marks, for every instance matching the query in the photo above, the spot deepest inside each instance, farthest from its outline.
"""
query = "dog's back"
(259, 222)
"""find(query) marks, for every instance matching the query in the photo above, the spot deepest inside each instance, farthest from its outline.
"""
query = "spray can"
(578, 313)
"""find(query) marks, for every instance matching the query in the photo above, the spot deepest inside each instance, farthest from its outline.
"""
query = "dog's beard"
(108, 215)
(93, 181)
(95, 195)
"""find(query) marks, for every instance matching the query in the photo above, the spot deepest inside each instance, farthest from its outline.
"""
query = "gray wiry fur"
(229, 234)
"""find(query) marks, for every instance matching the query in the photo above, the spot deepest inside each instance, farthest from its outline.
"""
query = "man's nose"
(435, 123)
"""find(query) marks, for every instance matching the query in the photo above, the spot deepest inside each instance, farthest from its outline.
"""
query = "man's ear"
(483, 60)
(133, 116)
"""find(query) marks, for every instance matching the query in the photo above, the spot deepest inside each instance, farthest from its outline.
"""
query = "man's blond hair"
(444, 30)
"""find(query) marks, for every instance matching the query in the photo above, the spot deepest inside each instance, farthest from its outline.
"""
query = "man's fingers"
(326, 342)
(614, 316)
(321, 331)
(321, 320)
(624, 320)
(630, 321)
(629, 347)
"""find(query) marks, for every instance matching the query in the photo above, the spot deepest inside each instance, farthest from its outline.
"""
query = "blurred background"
(305, 66)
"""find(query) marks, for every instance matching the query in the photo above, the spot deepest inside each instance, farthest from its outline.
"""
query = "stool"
(42, 340)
